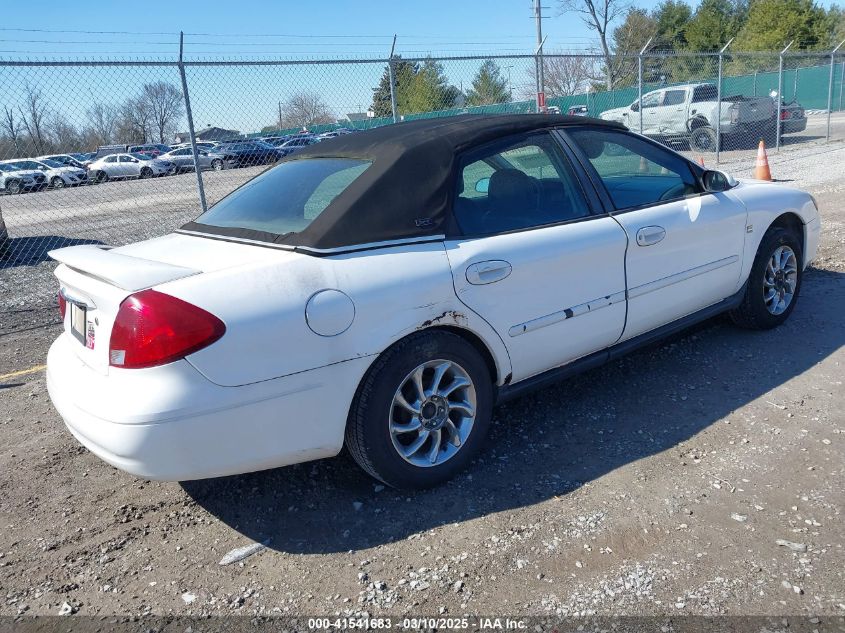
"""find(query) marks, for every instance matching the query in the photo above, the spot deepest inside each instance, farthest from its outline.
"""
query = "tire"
(13, 186)
(101, 176)
(755, 312)
(57, 182)
(146, 172)
(217, 165)
(369, 435)
(703, 139)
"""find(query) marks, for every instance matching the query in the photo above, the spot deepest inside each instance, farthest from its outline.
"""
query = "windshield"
(53, 163)
(140, 156)
(287, 198)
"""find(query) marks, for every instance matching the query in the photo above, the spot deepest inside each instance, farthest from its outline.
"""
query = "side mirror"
(635, 106)
(482, 185)
(717, 181)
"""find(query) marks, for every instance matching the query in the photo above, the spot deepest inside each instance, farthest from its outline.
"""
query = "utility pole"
(541, 92)
(280, 115)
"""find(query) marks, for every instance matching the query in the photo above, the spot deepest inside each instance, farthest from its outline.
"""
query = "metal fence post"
(391, 74)
(830, 88)
(640, 81)
(841, 84)
(780, 95)
(719, 101)
(190, 115)
(755, 83)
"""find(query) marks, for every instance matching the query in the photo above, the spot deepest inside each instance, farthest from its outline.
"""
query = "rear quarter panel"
(395, 291)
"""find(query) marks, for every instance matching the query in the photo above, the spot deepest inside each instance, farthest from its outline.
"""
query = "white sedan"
(384, 290)
(57, 174)
(135, 165)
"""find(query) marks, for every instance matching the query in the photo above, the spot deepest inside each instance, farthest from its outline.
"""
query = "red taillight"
(153, 328)
(784, 115)
(62, 304)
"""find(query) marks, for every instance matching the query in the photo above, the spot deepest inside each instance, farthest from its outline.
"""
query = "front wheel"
(422, 411)
(146, 172)
(101, 177)
(217, 165)
(57, 182)
(774, 282)
(13, 186)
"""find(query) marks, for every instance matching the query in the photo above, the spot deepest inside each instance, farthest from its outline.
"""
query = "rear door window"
(518, 184)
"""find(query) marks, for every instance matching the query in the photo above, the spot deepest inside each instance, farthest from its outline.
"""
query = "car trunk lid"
(95, 280)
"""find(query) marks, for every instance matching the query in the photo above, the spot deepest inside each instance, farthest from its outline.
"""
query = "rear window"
(706, 92)
(286, 198)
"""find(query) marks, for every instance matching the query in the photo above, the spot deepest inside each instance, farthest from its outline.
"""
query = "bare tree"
(134, 122)
(599, 16)
(33, 114)
(102, 123)
(567, 74)
(304, 109)
(12, 128)
(66, 138)
(165, 106)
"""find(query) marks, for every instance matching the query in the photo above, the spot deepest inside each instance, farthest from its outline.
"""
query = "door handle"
(649, 235)
(488, 272)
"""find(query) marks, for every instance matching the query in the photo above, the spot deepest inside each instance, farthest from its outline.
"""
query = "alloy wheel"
(780, 279)
(432, 413)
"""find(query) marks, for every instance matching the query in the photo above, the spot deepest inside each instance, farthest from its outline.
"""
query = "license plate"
(77, 322)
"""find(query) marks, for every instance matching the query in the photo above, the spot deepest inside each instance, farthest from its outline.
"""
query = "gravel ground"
(701, 476)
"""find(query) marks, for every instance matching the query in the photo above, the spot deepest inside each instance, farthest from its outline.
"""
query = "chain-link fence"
(104, 151)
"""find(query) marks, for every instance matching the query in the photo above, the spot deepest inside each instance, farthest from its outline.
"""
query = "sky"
(247, 98)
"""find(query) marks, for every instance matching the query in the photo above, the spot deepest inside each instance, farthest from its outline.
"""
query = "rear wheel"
(703, 139)
(422, 411)
(57, 182)
(774, 282)
(101, 177)
(146, 172)
(217, 165)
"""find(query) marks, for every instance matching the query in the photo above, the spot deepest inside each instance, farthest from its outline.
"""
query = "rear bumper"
(171, 423)
(791, 126)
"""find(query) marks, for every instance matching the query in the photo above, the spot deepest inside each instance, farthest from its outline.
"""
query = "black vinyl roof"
(406, 192)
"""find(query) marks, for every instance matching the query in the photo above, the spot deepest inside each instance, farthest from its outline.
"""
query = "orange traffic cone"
(701, 160)
(761, 168)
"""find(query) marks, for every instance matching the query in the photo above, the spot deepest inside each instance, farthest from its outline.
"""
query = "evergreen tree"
(405, 72)
(488, 86)
(430, 90)
(771, 24)
(672, 17)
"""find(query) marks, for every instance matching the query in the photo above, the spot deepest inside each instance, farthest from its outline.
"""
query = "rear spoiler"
(123, 271)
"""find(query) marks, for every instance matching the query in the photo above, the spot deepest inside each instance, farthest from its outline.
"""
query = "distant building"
(359, 116)
(208, 134)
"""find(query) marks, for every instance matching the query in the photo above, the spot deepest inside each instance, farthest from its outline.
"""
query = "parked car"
(578, 110)
(154, 149)
(339, 297)
(296, 143)
(108, 150)
(57, 174)
(243, 153)
(688, 114)
(15, 180)
(129, 166)
(792, 117)
(183, 158)
(85, 158)
(66, 160)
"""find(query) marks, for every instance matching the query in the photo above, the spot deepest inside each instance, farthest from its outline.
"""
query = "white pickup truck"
(688, 114)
